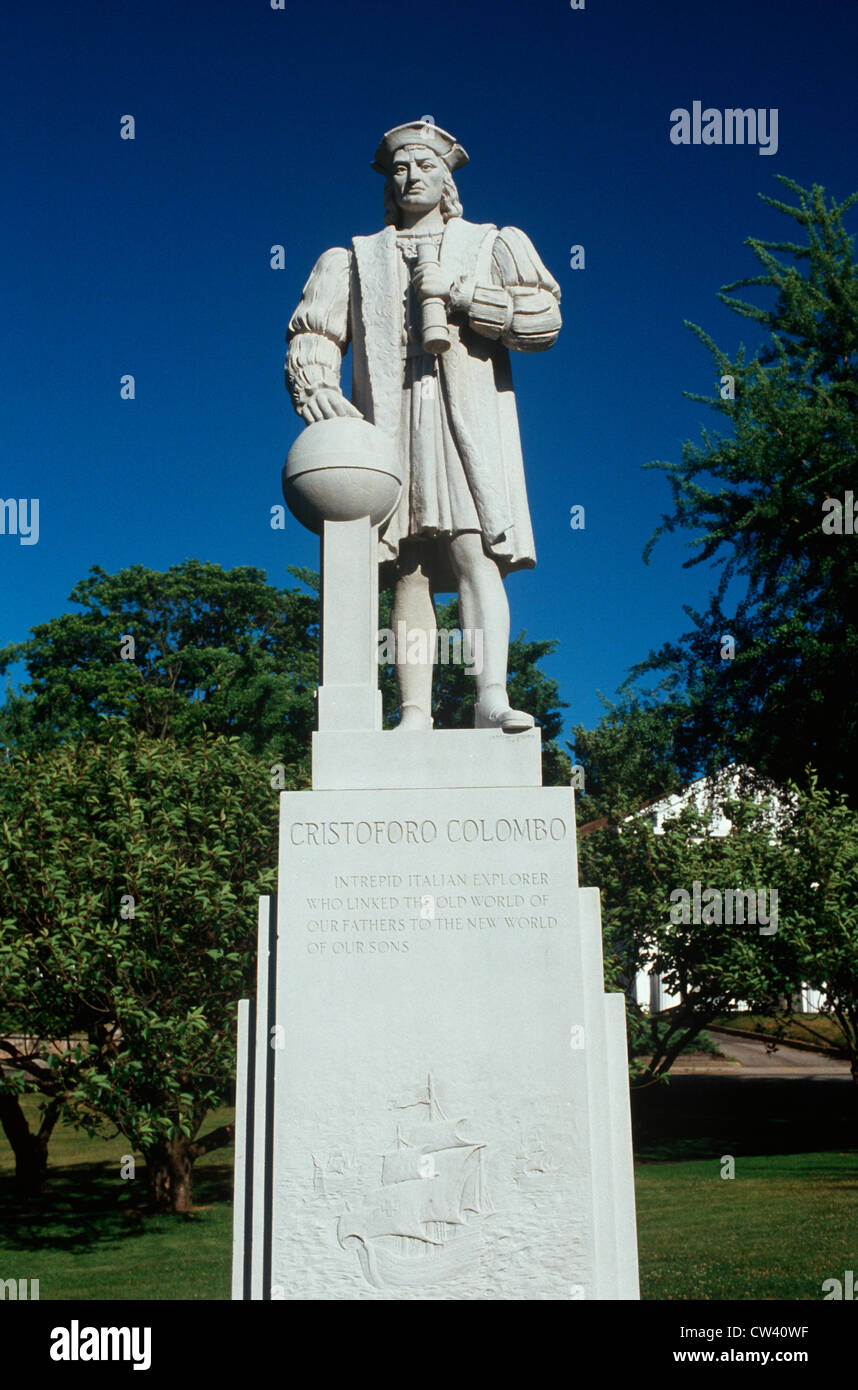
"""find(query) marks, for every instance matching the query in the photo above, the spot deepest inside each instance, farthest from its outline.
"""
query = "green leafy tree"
(628, 759)
(171, 653)
(224, 650)
(711, 965)
(788, 589)
(821, 927)
(183, 835)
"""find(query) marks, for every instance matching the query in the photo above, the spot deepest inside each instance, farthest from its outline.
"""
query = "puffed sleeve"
(521, 306)
(318, 332)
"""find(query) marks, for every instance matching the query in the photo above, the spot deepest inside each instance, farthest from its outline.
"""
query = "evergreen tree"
(765, 500)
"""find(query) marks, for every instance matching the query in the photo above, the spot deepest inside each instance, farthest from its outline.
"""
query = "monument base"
(434, 1091)
(391, 759)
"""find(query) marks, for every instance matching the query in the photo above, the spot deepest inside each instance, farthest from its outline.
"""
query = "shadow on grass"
(707, 1116)
(87, 1205)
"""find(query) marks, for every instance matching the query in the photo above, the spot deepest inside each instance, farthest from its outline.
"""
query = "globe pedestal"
(348, 698)
(342, 479)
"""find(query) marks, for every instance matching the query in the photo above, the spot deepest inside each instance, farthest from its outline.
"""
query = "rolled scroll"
(436, 334)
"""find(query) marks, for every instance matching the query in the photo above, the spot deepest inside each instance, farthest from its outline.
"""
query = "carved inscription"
(383, 914)
(505, 830)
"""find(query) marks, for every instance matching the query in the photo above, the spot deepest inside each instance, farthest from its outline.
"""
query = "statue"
(431, 305)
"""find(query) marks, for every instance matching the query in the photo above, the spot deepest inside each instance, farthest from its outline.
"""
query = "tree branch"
(215, 1139)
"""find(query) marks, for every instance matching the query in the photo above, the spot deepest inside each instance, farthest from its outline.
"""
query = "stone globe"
(341, 470)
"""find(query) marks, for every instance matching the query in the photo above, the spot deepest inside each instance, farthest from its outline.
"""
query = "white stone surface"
(243, 1135)
(348, 698)
(251, 1249)
(611, 1141)
(622, 1158)
(340, 470)
(434, 967)
(431, 306)
(435, 1102)
(439, 758)
(262, 1110)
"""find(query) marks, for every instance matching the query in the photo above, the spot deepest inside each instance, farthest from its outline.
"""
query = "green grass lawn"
(784, 1224)
(779, 1228)
(87, 1237)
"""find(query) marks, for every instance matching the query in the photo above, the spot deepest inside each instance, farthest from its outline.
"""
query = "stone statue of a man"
(431, 305)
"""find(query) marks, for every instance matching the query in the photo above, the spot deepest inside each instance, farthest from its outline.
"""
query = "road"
(742, 1057)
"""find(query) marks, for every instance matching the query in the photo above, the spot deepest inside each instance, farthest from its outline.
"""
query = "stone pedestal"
(437, 758)
(348, 699)
(432, 1097)
(433, 1091)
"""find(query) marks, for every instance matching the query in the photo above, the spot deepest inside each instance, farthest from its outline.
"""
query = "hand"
(325, 403)
(430, 282)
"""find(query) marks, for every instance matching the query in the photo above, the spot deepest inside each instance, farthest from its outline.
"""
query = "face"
(417, 176)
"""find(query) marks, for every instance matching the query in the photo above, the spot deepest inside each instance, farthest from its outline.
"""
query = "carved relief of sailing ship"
(423, 1223)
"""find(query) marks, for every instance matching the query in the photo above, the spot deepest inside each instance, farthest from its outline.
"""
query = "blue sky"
(257, 126)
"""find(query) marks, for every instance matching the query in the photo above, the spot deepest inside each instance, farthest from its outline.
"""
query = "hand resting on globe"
(325, 403)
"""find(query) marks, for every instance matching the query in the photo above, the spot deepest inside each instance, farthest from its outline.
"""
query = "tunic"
(454, 415)
(435, 498)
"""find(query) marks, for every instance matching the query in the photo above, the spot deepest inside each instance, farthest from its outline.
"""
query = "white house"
(707, 792)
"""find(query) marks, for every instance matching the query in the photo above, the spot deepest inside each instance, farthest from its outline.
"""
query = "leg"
(413, 619)
(483, 608)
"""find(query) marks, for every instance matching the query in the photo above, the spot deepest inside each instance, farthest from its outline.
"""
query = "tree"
(711, 963)
(821, 933)
(225, 650)
(629, 758)
(129, 874)
(30, 1149)
(171, 653)
(764, 499)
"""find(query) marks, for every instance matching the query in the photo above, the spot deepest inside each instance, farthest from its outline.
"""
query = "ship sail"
(445, 1191)
(434, 1134)
(403, 1207)
(430, 1182)
(397, 1210)
(404, 1164)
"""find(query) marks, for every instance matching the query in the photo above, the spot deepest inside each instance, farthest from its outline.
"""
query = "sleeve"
(318, 332)
(521, 306)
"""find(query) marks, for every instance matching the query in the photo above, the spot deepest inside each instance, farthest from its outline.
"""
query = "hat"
(419, 133)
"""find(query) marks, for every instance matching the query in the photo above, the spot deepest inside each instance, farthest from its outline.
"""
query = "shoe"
(413, 717)
(500, 716)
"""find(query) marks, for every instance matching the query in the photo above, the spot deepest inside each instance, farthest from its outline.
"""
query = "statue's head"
(417, 161)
